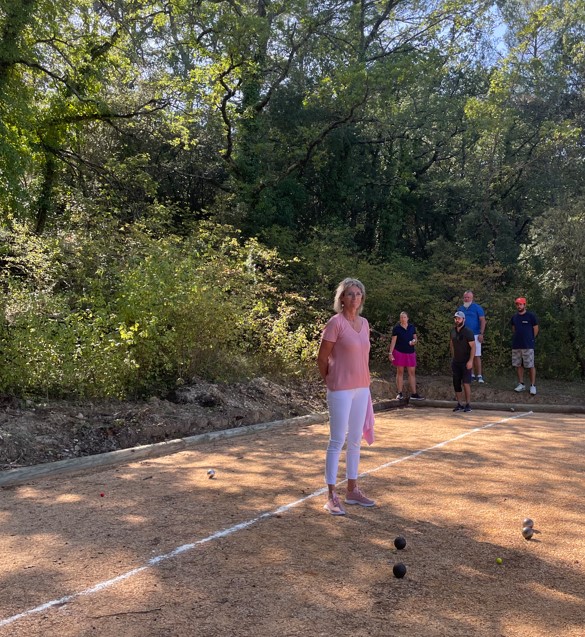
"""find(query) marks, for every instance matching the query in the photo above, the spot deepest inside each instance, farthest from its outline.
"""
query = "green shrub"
(126, 312)
(156, 312)
(51, 352)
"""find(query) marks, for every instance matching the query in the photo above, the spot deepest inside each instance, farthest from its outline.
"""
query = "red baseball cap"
(520, 299)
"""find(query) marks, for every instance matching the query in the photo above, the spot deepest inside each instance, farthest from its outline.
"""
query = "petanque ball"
(528, 522)
(400, 542)
(527, 532)
(210, 473)
(399, 570)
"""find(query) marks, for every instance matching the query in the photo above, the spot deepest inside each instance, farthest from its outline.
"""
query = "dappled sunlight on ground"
(456, 487)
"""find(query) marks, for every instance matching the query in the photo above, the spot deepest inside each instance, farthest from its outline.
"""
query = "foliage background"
(183, 184)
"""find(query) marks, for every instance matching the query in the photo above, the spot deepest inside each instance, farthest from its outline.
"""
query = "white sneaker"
(480, 379)
(533, 390)
(520, 387)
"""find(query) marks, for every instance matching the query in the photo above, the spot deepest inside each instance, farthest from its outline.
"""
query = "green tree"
(556, 259)
(64, 67)
(526, 137)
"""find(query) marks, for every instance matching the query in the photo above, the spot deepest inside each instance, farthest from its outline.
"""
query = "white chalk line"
(235, 528)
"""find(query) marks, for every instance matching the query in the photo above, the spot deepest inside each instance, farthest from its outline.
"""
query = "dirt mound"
(33, 433)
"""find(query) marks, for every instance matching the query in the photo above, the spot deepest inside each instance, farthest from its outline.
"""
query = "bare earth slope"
(36, 432)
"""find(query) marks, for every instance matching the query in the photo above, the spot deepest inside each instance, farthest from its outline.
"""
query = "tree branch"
(229, 93)
(302, 164)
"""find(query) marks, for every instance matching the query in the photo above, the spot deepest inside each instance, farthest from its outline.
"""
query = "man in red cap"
(524, 331)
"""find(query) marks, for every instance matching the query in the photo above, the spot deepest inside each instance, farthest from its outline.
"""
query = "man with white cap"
(462, 345)
(524, 332)
(475, 321)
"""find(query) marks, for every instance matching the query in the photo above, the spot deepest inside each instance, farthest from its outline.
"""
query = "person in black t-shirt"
(462, 345)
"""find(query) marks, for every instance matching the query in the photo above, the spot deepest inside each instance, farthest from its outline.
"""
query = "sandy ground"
(251, 552)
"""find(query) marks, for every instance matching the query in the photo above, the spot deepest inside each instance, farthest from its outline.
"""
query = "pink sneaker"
(357, 497)
(334, 506)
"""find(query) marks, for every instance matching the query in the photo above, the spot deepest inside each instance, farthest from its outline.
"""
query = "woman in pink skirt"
(402, 354)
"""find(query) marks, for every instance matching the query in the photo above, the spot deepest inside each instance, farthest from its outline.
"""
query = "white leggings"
(347, 413)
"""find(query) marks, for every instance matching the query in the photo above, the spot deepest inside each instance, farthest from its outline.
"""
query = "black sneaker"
(416, 397)
(399, 396)
(467, 407)
(459, 407)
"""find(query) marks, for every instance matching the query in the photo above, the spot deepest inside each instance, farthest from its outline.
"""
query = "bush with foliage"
(157, 312)
(129, 311)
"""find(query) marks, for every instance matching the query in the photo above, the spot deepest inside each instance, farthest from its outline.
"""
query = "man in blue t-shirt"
(475, 321)
(524, 332)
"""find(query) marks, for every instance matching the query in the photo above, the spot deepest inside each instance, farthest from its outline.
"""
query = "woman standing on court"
(402, 354)
(343, 362)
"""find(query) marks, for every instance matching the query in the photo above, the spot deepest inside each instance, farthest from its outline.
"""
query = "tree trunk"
(45, 200)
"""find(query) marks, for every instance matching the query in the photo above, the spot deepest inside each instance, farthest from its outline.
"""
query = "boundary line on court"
(235, 528)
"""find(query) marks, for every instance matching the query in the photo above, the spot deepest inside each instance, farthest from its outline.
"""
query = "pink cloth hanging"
(368, 431)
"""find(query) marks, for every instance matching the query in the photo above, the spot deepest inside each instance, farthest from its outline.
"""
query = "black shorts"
(460, 375)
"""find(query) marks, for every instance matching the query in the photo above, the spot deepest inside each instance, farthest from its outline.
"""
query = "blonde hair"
(342, 288)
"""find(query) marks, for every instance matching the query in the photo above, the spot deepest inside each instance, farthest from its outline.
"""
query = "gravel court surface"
(460, 505)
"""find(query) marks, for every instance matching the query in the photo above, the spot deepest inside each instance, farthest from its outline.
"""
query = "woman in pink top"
(343, 362)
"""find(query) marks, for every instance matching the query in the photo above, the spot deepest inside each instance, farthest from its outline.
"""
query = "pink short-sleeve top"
(348, 366)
